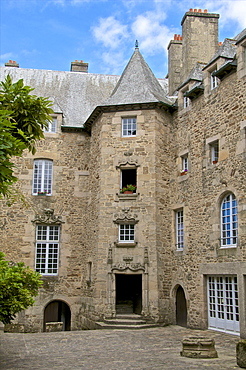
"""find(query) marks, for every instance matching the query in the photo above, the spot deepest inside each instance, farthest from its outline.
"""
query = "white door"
(223, 312)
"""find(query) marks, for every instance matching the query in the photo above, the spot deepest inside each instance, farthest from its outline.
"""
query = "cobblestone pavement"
(155, 348)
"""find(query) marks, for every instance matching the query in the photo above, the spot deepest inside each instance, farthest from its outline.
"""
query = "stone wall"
(200, 192)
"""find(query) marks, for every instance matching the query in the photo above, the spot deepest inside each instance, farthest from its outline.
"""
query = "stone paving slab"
(155, 348)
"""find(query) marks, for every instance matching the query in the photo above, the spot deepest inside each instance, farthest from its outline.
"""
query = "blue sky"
(50, 34)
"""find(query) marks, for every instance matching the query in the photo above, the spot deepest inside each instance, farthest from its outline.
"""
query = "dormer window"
(214, 81)
(186, 102)
(52, 126)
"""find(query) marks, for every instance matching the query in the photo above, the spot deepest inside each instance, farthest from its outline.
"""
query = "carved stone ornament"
(128, 266)
(48, 218)
(125, 216)
(128, 162)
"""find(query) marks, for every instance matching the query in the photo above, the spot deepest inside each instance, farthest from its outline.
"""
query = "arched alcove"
(58, 311)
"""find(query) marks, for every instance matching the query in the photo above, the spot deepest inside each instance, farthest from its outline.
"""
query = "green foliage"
(129, 187)
(18, 285)
(22, 119)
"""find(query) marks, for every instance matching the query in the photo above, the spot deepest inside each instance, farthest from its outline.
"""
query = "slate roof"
(137, 85)
(74, 94)
(241, 36)
(195, 74)
(227, 50)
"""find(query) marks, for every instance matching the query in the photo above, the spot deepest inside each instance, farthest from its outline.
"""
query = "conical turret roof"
(137, 84)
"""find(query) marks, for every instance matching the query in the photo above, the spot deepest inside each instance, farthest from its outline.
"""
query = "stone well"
(198, 347)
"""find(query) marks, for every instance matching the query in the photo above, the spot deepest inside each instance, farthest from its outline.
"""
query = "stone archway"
(181, 307)
(58, 311)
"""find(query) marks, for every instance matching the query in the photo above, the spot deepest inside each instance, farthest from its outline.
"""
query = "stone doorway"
(128, 293)
(181, 307)
(58, 311)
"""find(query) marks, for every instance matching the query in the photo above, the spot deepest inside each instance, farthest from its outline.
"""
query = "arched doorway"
(181, 307)
(58, 311)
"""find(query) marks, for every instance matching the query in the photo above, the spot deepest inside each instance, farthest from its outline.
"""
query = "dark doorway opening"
(181, 307)
(128, 293)
(58, 311)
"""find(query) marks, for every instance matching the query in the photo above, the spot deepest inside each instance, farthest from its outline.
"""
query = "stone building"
(173, 250)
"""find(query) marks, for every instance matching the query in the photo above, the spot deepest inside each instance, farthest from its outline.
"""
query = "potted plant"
(183, 172)
(42, 193)
(128, 189)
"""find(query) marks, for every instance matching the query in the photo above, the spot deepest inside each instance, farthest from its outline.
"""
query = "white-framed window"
(52, 126)
(47, 249)
(214, 151)
(229, 225)
(179, 229)
(214, 81)
(126, 233)
(223, 304)
(186, 102)
(184, 164)
(129, 126)
(42, 177)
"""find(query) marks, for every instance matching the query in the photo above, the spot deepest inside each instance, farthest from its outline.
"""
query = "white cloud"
(113, 62)
(153, 35)
(110, 32)
(6, 56)
(231, 11)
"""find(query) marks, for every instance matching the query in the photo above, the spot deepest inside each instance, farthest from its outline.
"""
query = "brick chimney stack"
(79, 66)
(12, 63)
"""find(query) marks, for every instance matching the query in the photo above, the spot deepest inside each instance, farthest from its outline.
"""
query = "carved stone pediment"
(128, 266)
(128, 162)
(125, 216)
(48, 218)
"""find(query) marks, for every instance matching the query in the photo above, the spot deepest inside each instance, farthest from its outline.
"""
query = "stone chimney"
(174, 63)
(200, 38)
(12, 63)
(79, 66)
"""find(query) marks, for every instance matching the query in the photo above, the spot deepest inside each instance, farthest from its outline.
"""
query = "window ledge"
(125, 245)
(132, 196)
(183, 177)
(229, 246)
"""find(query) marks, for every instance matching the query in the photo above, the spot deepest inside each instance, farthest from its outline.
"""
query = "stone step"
(132, 316)
(103, 325)
(125, 321)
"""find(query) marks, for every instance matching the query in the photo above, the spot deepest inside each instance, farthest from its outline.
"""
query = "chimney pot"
(199, 10)
(175, 36)
(79, 66)
(12, 63)
(205, 10)
(191, 9)
(195, 10)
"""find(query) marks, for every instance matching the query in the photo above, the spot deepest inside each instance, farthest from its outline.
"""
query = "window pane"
(229, 221)
(179, 229)
(47, 253)
(129, 126)
(42, 177)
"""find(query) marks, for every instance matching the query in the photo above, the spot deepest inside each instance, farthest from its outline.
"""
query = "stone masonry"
(175, 270)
